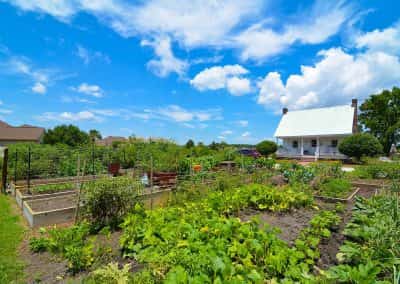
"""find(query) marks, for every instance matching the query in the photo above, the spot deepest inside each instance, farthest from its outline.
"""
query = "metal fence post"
(4, 172)
(151, 182)
(93, 172)
(15, 166)
(29, 169)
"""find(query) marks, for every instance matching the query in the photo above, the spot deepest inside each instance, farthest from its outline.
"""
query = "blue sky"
(207, 70)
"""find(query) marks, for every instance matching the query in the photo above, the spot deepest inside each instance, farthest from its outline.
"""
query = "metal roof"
(337, 120)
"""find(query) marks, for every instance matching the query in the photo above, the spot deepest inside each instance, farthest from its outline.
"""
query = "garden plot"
(49, 211)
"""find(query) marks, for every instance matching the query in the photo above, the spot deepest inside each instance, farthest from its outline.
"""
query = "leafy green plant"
(106, 201)
(338, 188)
(74, 244)
(49, 188)
(372, 248)
(110, 274)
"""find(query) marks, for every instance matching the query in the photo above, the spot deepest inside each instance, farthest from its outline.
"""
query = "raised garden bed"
(338, 199)
(50, 211)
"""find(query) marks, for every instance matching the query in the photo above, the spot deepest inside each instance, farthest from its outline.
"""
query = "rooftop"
(337, 120)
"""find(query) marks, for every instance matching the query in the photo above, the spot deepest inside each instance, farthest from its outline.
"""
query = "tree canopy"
(380, 116)
(266, 147)
(66, 134)
(93, 133)
(360, 145)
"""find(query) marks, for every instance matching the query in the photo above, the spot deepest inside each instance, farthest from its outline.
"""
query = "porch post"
(317, 150)
(301, 147)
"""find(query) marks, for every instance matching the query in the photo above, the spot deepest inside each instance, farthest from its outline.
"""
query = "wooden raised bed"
(337, 199)
(50, 211)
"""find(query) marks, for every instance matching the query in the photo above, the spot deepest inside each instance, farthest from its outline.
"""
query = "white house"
(315, 133)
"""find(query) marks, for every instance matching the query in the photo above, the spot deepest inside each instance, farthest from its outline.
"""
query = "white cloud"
(195, 23)
(90, 90)
(246, 134)
(242, 123)
(62, 9)
(226, 132)
(238, 86)
(87, 55)
(166, 62)
(220, 77)
(261, 41)
(203, 23)
(386, 40)
(69, 116)
(3, 110)
(22, 66)
(39, 88)
(71, 99)
(335, 79)
(179, 114)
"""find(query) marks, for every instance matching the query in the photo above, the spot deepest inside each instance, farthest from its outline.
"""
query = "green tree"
(93, 133)
(66, 134)
(189, 144)
(360, 145)
(266, 147)
(380, 116)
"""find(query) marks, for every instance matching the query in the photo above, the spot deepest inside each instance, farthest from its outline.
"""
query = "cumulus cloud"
(39, 88)
(90, 90)
(246, 134)
(166, 62)
(220, 77)
(261, 41)
(335, 79)
(199, 23)
(238, 86)
(386, 40)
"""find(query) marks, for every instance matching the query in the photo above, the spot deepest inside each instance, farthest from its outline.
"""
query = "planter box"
(337, 199)
(50, 211)
(21, 195)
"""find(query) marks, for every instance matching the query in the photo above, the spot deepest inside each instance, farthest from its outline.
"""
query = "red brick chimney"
(355, 117)
(284, 111)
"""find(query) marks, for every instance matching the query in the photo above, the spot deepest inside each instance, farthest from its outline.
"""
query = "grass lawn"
(11, 233)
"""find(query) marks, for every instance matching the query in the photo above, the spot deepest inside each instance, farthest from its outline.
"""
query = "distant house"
(108, 141)
(24, 133)
(316, 133)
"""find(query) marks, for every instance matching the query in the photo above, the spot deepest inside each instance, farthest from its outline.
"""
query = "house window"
(313, 143)
(334, 143)
(295, 144)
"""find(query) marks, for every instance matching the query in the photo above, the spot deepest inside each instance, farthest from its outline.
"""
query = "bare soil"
(289, 223)
(329, 248)
(46, 268)
(53, 203)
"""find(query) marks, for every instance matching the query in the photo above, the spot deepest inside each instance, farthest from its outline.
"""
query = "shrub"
(360, 145)
(266, 147)
(106, 201)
